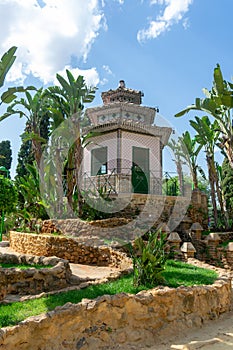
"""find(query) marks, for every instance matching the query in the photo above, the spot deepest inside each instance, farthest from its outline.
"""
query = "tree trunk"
(37, 150)
(221, 202)
(212, 189)
(229, 153)
(78, 156)
(180, 176)
(59, 188)
(70, 181)
(195, 181)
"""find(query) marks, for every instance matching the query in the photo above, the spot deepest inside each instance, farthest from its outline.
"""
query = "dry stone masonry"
(31, 280)
(67, 248)
(122, 320)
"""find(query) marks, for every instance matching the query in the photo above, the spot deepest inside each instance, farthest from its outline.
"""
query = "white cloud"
(107, 69)
(48, 36)
(91, 75)
(186, 23)
(173, 12)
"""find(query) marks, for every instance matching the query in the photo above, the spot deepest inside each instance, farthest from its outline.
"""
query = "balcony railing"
(114, 183)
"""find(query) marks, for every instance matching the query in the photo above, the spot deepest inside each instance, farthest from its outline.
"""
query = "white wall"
(145, 141)
(128, 140)
(109, 140)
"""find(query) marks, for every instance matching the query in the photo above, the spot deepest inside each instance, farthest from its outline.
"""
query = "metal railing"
(114, 183)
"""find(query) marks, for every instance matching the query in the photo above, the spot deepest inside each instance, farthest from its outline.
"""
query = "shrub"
(149, 258)
(8, 195)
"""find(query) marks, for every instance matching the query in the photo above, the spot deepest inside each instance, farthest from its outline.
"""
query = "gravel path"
(214, 335)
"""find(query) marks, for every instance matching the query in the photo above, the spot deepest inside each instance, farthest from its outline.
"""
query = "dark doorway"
(140, 170)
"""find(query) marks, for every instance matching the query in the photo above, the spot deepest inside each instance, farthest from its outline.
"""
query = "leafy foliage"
(67, 104)
(171, 186)
(8, 195)
(227, 184)
(96, 208)
(35, 109)
(29, 189)
(218, 103)
(6, 62)
(149, 258)
(5, 154)
(190, 151)
(26, 154)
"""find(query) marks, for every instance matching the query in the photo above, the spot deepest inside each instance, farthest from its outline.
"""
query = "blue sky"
(166, 48)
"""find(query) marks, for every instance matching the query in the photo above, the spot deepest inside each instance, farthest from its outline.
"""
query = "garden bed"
(124, 319)
(54, 273)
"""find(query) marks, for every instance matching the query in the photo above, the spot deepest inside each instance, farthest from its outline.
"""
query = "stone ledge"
(67, 248)
(123, 319)
(32, 280)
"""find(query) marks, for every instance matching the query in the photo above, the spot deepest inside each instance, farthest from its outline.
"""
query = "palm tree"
(176, 148)
(190, 150)
(207, 136)
(219, 104)
(34, 109)
(221, 194)
(69, 99)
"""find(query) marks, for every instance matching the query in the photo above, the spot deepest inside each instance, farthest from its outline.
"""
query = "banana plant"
(69, 99)
(190, 150)
(219, 104)
(29, 190)
(34, 108)
(6, 62)
(207, 136)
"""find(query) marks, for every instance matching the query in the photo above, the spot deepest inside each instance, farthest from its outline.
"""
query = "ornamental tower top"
(122, 94)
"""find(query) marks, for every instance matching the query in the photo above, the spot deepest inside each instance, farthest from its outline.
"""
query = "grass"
(181, 274)
(24, 266)
(176, 274)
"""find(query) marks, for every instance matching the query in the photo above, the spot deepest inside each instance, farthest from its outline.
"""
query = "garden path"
(214, 335)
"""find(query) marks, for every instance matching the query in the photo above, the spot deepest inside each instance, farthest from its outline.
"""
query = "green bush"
(149, 258)
(8, 196)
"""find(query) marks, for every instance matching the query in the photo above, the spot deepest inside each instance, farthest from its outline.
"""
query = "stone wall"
(225, 236)
(66, 248)
(141, 213)
(198, 209)
(210, 250)
(32, 280)
(120, 320)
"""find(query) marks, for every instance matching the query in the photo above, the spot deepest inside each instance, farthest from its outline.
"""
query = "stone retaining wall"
(66, 248)
(225, 236)
(32, 280)
(120, 320)
(142, 213)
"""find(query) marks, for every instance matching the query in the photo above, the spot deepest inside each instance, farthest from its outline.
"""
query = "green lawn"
(24, 266)
(175, 274)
